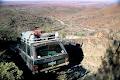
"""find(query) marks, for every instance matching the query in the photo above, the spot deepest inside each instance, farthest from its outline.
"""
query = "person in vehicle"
(37, 32)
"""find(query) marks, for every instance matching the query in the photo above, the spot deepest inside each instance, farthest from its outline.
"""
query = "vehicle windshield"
(49, 49)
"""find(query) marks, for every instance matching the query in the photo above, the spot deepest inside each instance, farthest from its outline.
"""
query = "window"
(23, 46)
(50, 49)
(28, 50)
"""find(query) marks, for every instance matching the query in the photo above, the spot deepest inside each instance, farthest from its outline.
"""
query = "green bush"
(80, 33)
(9, 71)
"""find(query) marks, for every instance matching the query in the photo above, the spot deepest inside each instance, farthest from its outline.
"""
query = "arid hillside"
(96, 25)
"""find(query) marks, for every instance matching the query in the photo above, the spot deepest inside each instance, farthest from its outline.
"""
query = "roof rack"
(29, 39)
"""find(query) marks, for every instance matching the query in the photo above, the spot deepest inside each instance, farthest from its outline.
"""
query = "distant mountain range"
(51, 2)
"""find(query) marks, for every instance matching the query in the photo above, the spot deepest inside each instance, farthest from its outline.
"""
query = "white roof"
(28, 37)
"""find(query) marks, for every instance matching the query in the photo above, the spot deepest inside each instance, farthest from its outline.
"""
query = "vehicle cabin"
(44, 53)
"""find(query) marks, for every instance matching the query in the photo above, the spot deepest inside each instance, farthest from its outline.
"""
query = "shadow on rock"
(75, 54)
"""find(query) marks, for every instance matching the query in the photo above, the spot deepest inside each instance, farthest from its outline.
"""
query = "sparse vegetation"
(16, 21)
(9, 71)
(63, 34)
(80, 33)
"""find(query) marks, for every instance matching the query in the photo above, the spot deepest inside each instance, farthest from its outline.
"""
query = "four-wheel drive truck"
(44, 53)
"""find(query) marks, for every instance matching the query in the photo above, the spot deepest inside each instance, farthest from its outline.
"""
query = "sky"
(66, 0)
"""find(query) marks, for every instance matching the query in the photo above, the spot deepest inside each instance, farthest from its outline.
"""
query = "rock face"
(102, 56)
(94, 50)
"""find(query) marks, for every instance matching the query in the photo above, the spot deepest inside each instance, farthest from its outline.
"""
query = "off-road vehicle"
(42, 54)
